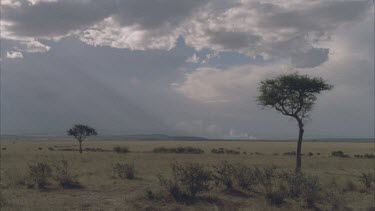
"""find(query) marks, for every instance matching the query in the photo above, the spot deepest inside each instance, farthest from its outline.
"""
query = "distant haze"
(183, 68)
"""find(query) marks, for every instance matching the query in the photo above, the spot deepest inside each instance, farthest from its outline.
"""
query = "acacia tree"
(80, 132)
(292, 95)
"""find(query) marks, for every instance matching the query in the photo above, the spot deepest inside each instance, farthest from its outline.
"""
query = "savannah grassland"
(101, 191)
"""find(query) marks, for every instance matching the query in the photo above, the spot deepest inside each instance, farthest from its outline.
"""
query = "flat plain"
(102, 191)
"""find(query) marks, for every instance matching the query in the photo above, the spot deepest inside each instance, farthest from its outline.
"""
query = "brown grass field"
(101, 191)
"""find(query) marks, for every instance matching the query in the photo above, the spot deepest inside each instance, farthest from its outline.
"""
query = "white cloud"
(14, 55)
(232, 85)
(193, 59)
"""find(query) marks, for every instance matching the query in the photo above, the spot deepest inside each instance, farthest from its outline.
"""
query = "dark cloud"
(49, 19)
(311, 58)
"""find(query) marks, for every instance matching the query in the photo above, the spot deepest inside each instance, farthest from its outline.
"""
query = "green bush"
(340, 154)
(64, 177)
(119, 149)
(187, 181)
(124, 171)
(224, 174)
(179, 150)
(367, 179)
(300, 185)
(265, 176)
(246, 177)
(275, 198)
(39, 173)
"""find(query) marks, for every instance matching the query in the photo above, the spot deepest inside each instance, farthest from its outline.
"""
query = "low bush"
(224, 174)
(367, 179)
(310, 154)
(218, 151)
(265, 177)
(39, 174)
(340, 154)
(335, 198)
(183, 150)
(275, 198)
(370, 156)
(350, 186)
(95, 150)
(151, 195)
(187, 181)
(64, 177)
(119, 149)
(300, 185)
(4, 148)
(226, 151)
(246, 177)
(51, 148)
(290, 153)
(40, 148)
(124, 171)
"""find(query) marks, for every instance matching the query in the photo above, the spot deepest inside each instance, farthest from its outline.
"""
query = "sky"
(183, 67)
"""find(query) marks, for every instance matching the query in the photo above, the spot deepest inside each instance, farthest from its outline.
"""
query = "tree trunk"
(80, 147)
(299, 146)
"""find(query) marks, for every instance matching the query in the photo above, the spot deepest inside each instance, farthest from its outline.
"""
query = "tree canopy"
(80, 132)
(291, 94)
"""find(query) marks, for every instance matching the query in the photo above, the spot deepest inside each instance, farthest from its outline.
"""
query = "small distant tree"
(292, 95)
(80, 132)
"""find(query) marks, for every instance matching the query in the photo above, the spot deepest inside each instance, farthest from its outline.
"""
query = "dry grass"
(102, 191)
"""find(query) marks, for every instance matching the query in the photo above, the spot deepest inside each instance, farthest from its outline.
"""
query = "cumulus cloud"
(232, 85)
(14, 55)
(292, 31)
(193, 59)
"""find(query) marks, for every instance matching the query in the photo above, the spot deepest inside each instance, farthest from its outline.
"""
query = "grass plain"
(103, 192)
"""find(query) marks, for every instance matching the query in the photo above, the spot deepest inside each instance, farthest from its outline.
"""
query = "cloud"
(193, 59)
(292, 31)
(14, 55)
(232, 85)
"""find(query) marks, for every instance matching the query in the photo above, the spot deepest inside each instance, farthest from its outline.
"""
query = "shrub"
(4, 148)
(40, 148)
(339, 153)
(265, 177)
(119, 149)
(184, 150)
(95, 150)
(310, 154)
(187, 180)
(224, 174)
(124, 170)
(350, 186)
(275, 198)
(51, 148)
(367, 179)
(64, 177)
(245, 177)
(151, 195)
(3, 201)
(298, 185)
(290, 153)
(231, 151)
(335, 199)
(218, 151)
(39, 174)
(370, 156)
(226, 151)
